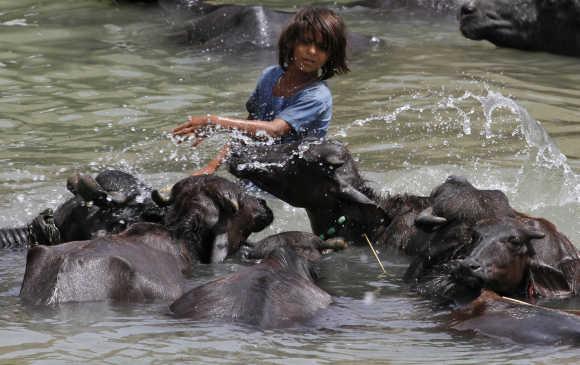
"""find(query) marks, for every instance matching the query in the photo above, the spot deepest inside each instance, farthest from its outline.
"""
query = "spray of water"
(544, 175)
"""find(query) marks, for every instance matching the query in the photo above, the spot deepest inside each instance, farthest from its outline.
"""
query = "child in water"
(291, 100)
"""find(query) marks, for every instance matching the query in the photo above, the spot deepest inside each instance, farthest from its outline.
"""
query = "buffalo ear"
(548, 281)
(429, 222)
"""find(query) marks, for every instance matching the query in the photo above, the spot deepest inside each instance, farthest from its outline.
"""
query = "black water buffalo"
(142, 263)
(473, 240)
(239, 27)
(277, 292)
(322, 177)
(498, 317)
(207, 219)
(535, 25)
(213, 215)
(436, 6)
(105, 204)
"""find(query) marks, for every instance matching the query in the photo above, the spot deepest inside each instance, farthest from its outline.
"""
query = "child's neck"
(295, 75)
(293, 80)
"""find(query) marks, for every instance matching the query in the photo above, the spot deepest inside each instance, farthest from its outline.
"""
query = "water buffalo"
(436, 6)
(239, 27)
(473, 240)
(105, 204)
(277, 292)
(207, 219)
(499, 317)
(187, 7)
(323, 178)
(213, 215)
(535, 25)
(142, 263)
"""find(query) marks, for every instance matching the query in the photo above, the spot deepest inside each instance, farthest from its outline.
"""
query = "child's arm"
(215, 163)
(276, 128)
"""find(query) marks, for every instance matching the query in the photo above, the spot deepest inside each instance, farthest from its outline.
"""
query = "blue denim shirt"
(308, 111)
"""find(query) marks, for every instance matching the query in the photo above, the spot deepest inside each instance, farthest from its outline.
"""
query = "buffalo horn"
(428, 219)
(226, 199)
(160, 200)
(89, 189)
(534, 234)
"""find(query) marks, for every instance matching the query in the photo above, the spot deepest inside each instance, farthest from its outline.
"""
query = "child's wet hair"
(305, 25)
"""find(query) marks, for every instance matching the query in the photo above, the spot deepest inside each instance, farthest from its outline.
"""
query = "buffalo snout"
(467, 8)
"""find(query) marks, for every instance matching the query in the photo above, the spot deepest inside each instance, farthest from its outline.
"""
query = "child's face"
(309, 54)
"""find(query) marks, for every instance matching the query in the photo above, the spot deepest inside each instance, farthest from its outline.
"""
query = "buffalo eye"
(515, 241)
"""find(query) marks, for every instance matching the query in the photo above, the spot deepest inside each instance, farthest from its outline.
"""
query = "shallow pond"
(85, 85)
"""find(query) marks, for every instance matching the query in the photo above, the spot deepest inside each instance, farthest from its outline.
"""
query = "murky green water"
(85, 85)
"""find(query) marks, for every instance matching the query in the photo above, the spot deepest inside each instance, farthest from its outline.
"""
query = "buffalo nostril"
(467, 8)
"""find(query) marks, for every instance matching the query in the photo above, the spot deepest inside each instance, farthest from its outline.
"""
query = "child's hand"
(209, 169)
(193, 126)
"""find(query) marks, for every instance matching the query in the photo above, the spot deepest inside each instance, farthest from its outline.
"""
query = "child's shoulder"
(270, 74)
(272, 70)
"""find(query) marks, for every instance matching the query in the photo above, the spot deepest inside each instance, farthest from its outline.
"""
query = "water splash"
(537, 171)
(536, 136)
(263, 36)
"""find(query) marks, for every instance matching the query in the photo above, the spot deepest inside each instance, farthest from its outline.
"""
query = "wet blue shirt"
(308, 111)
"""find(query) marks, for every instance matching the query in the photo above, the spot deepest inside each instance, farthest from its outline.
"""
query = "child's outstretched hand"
(195, 125)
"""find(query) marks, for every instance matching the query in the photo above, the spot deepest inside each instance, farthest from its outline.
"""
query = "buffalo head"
(212, 216)
(106, 204)
(473, 239)
(501, 256)
(318, 175)
(544, 25)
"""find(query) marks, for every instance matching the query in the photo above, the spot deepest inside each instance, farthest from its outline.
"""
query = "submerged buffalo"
(105, 204)
(436, 231)
(432, 6)
(499, 317)
(474, 240)
(239, 27)
(277, 292)
(535, 25)
(323, 178)
(208, 218)
(142, 263)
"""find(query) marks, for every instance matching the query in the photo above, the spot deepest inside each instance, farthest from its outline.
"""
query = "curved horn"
(534, 234)
(347, 191)
(160, 200)
(89, 189)
(428, 220)
(226, 198)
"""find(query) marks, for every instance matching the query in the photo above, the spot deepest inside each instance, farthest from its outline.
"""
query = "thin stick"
(516, 301)
(375, 253)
